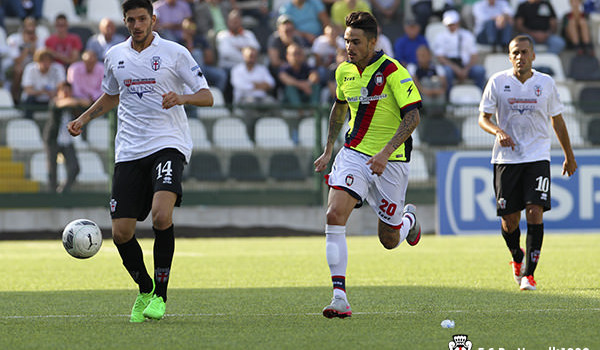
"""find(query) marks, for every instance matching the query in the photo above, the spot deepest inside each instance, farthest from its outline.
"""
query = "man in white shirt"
(493, 22)
(526, 106)
(230, 42)
(251, 81)
(455, 48)
(40, 81)
(145, 76)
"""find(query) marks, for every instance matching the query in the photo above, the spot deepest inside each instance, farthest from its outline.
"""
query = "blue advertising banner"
(466, 203)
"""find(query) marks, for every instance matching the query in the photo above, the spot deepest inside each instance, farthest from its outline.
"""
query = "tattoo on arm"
(336, 122)
(408, 125)
(98, 111)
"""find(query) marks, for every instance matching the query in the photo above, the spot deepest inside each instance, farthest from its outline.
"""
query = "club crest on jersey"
(155, 63)
(379, 79)
(349, 180)
(538, 90)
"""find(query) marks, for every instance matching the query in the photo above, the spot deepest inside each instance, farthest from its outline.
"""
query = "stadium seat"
(96, 10)
(83, 31)
(285, 167)
(551, 61)
(38, 168)
(199, 135)
(307, 132)
(272, 133)
(23, 135)
(418, 167)
(206, 167)
(584, 68)
(589, 99)
(440, 132)
(593, 131)
(464, 100)
(432, 30)
(219, 109)
(495, 62)
(91, 168)
(473, 135)
(7, 105)
(98, 134)
(50, 9)
(245, 167)
(231, 133)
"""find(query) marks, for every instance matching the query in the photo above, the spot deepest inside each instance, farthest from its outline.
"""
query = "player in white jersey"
(526, 105)
(145, 77)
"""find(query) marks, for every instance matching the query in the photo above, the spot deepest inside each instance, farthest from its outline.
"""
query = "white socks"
(408, 221)
(337, 257)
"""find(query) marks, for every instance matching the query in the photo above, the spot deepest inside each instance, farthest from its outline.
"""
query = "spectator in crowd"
(405, 47)
(537, 19)
(204, 54)
(309, 17)
(384, 43)
(493, 23)
(251, 80)
(57, 140)
(85, 77)
(341, 8)
(340, 57)
(210, 16)
(300, 80)
(422, 10)
(21, 47)
(430, 79)
(577, 30)
(105, 39)
(64, 46)
(285, 35)
(455, 48)
(256, 12)
(387, 11)
(324, 50)
(169, 16)
(20, 9)
(40, 80)
(230, 42)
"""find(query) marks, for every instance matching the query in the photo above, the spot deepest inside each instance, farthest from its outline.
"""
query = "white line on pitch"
(401, 312)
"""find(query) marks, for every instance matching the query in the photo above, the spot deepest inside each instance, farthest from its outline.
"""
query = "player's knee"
(335, 217)
(161, 220)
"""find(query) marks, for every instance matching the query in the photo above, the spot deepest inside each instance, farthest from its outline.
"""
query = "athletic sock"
(535, 236)
(164, 247)
(408, 220)
(513, 243)
(133, 260)
(337, 257)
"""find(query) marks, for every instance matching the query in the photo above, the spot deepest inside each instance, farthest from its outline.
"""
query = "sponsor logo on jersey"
(506, 88)
(113, 205)
(121, 64)
(364, 97)
(348, 79)
(140, 86)
(155, 63)
(522, 104)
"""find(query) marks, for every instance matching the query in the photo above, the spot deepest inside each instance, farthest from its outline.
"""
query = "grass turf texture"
(268, 293)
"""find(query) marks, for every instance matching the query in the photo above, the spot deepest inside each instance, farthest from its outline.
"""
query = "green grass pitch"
(267, 293)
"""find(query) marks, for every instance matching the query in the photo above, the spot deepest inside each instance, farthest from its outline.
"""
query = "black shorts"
(517, 185)
(136, 181)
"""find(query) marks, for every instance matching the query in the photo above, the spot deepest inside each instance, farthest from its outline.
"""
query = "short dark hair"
(136, 4)
(524, 37)
(364, 21)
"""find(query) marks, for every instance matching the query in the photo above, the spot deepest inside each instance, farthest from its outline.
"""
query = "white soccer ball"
(82, 238)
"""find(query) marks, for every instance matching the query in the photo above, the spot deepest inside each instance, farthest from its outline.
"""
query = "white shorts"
(385, 193)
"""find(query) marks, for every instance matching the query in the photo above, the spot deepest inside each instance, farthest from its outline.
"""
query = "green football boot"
(156, 308)
(141, 302)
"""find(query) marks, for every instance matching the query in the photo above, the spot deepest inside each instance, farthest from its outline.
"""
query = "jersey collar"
(154, 42)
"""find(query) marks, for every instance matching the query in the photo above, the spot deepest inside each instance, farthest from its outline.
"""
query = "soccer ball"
(82, 238)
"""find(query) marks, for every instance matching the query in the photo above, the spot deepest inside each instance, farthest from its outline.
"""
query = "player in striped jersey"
(373, 164)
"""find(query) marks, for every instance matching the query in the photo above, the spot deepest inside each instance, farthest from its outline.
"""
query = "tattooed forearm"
(408, 125)
(336, 122)
(96, 112)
